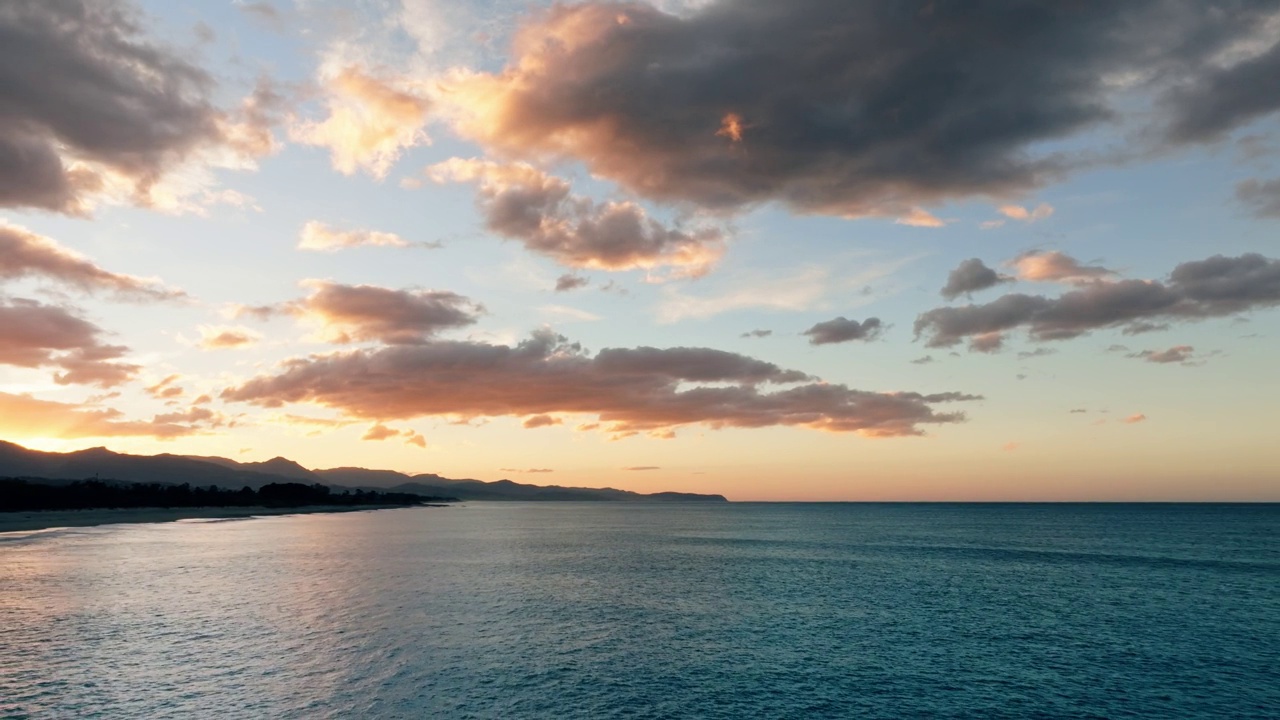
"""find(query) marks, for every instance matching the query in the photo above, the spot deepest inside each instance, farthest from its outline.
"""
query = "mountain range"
(99, 462)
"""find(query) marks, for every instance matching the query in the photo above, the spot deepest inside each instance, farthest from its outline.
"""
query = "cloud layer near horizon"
(628, 390)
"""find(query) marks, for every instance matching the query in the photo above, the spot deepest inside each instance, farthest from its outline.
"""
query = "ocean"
(648, 610)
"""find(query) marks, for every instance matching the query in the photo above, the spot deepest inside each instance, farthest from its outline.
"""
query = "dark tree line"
(32, 494)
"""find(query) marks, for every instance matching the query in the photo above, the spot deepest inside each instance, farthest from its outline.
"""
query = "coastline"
(29, 520)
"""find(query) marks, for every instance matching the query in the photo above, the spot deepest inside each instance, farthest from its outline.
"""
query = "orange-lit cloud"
(538, 421)
(1055, 266)
(1017, 212)
(539, 210)
(26, 254)
(26, 417)
(166, 388)
(224, 337)
(918, 217)
(35, 335)
(731, 127)
(1134, 418)
(628, 390)
(323, 238)
(357, 313)
(371, 121)
(378, 431)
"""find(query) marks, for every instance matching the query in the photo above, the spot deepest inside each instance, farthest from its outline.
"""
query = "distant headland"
(31, 480)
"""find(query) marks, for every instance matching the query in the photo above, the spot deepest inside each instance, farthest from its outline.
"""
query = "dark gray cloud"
(1214, 287)
(1219, 100)
(80, 82)
(971, 276)
(628, 390)
(841, 329)
(34, 335)
(521, 202)
(757, 334)
(569, 281)
(1262, 197)
(854, 107)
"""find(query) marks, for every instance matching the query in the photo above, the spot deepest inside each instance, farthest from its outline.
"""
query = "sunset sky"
(808, 250)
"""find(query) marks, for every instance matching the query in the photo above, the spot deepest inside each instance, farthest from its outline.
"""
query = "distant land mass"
(20, 462)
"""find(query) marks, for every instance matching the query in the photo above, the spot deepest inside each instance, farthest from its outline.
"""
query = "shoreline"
(32, 520)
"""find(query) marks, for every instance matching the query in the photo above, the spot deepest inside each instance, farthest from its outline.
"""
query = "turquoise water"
(581, 610)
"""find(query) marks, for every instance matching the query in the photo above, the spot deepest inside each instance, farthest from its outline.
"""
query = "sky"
(813, 250)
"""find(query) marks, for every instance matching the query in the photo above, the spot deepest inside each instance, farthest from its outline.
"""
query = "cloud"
(1262, 197)
(225, 337)
(371, 121)
(917, 217)
(320, 237)
(924, 360)
(263, 12)
(357, 313)
(520, 202)
(1134, 419)
(1214, 287)
(26, 416)
(642, 468)
(538, 421)
(1220, 99)
(569, 281)
(93, 109)
(166, 388)
(1178, 354)
(1018, 212)
(971, 276)
(628, 390)
(1038, 352)
(756, 334)
(1055, 266)
(378, 432)
(841, 330)
(34, 335)
(853, 109)
(26, 254)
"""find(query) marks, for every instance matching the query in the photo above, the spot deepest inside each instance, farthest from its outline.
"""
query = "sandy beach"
(26, 521)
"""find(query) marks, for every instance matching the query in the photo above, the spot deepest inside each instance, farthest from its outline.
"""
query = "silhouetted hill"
(17, 461)
(278, 466)
(358, 477)
(469, 489)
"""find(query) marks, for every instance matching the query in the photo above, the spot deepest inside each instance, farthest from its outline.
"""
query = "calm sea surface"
(580, 610)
